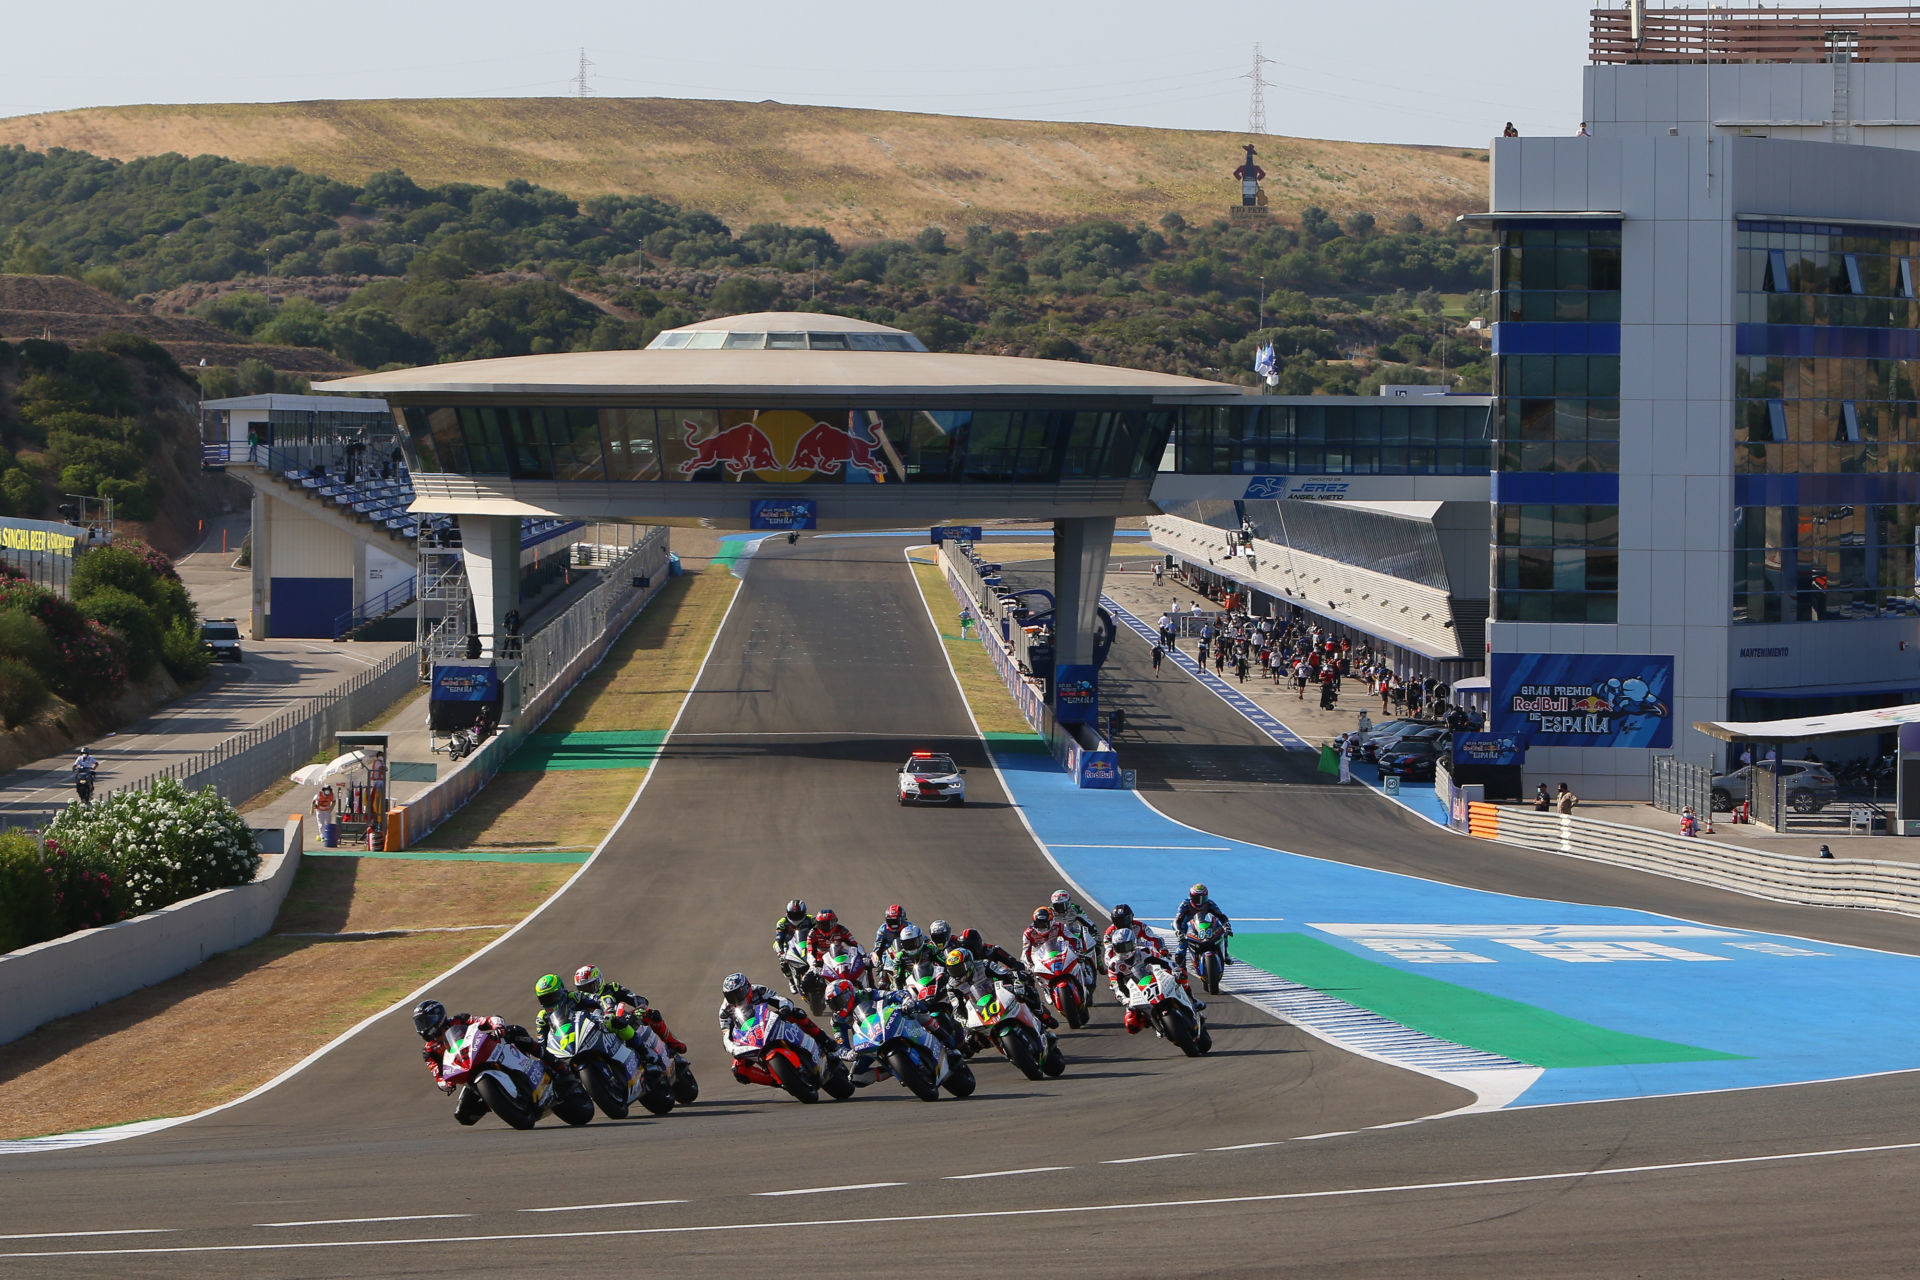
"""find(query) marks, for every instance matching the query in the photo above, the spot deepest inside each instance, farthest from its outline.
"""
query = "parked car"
(1805, 785)
(1414, 761)
(1367, 745)
(1381, 748)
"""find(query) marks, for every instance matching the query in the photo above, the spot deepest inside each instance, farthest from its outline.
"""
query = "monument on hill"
(1253, 201)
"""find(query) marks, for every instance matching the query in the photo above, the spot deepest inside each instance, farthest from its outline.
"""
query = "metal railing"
(552, 647)
(397, 597)
(250, 762)
(1799, 33)
(1678, 785)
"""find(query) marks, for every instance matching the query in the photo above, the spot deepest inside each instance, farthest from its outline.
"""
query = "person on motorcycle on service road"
(1197, 903)
(594, 985)
(438, 1032)
(888, 935)
(1127, 956)
(737, 994)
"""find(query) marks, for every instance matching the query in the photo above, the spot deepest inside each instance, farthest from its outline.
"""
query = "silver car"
(1805, 786)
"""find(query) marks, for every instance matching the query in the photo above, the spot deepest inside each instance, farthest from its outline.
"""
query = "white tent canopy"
(1879, 720)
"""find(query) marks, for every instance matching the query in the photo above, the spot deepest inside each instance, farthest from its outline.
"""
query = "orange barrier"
(1483, 820)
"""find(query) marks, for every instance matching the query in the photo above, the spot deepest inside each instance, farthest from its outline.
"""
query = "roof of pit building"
(841, 357)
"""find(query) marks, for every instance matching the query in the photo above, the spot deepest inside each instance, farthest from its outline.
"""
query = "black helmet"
(1122, 916)
(1042, 918)
(940, 935)
(429, 1018)
(735, 988)
(797, 910)
(971, 940)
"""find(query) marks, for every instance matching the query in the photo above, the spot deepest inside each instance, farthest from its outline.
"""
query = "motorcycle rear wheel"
(606, 1091)
(1054, 1062)
(791, 1080)
(911, 1074)
(837, 1083)
(1073, 1008)
(505, 1105)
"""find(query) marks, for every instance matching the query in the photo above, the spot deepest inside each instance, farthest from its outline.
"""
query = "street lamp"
(1263, 305)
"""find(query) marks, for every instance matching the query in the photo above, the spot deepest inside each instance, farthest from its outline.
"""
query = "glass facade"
(1826, 421)
(1556, 342)
(788, 446)
(1418, 436)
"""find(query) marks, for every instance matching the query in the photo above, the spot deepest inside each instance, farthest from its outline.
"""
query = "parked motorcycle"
(768, 1049)
(998, 1017)
(490, 1073)
(580, 1043)
(886, 1041)
(1156, 993)
(1206, 939)
(1069, 978)
(460, 744)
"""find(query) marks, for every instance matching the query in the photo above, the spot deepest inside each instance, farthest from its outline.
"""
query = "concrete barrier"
(412, 821)
(69, 975)
(1783, 877)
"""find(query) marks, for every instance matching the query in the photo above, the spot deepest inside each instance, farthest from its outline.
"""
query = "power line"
(581, 88)
(1257, 109)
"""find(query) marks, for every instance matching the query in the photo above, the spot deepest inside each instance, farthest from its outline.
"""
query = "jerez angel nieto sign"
(1583, 699)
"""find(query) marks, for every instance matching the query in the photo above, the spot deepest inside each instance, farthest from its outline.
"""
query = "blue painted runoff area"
(1765, 1009)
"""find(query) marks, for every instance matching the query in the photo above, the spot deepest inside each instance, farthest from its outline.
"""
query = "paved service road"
(1262, 1159)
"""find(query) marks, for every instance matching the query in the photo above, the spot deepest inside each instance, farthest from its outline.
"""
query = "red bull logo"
(786, 447)
(1591, 702)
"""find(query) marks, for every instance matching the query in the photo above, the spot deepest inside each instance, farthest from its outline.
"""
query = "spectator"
(1582, 134)
(1566, 799)
(1509, 131)
(1542, 802)
(1825, 852)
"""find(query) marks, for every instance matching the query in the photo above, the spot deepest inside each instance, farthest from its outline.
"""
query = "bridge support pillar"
(1081, 548)
(490, 546)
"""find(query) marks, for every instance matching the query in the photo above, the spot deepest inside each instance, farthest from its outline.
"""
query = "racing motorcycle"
(927, 983)
(580, 1044)
(802, 979)
(884, 1040)
(489, 1073)
(1156, 993)
(1069, 978)
(768, 1049)
(841, 961)
(676, 1069)
(998, 1017)
(1205, 938)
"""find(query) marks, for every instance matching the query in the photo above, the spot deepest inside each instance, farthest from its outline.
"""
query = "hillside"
(860, 174)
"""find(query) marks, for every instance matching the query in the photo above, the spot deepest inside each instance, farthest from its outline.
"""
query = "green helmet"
(549, 990)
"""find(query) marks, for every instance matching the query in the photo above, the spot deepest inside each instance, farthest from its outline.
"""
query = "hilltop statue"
(1250, 175)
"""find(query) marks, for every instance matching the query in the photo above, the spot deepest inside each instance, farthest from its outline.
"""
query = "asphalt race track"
(1276, 1155)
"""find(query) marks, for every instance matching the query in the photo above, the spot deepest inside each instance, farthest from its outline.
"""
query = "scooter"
(83, 785)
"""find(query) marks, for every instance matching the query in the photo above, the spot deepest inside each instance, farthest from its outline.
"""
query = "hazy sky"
(1435, 71)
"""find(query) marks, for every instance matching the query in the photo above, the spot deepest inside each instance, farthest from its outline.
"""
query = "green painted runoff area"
(447, 855)
(595, 749)
(1491, 1023)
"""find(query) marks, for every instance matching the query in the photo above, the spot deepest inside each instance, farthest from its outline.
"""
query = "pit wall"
(74, 973)
(1093, 765)
(1783, 877)
(411, 822)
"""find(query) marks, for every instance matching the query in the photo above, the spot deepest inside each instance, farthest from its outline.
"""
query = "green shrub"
(121, 568)
(130, 618)
(162, 844)
(182, 651)
(23, 692)
(85, 895)
(27, 912)
(132, 499)
(22, 491)
(89, 660)
(23, 638)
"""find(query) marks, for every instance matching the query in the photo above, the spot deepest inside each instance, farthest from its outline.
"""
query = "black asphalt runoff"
(1092, 1171)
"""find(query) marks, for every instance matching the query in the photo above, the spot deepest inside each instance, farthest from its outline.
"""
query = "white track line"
(817, 1191)
(1405, 1188)
(350, 1222)
(1171, 1155)
(1006, 1173)
(74, 1235)
(618, 1204)
(64, 1142)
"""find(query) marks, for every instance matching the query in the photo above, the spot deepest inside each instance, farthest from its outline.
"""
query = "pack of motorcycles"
(584, 1066)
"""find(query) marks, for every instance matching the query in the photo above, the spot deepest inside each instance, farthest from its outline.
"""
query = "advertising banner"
(1582, 699)
(465, 683)
(780, 513)
(1099, 770)
(1489, 748)
(954, 533)
(1075, 690)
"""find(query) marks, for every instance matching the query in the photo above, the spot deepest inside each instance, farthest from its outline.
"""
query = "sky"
(1421, 71)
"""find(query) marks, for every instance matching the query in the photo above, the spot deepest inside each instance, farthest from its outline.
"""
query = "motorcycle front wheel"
(606, 1091)
(571, 1102)
(1017, 1044)
(505, 1105)
(1073, 1008)
(1210, 973)
(792, 1080)
(686, 1089)
(914, 1076)
(960, 1081)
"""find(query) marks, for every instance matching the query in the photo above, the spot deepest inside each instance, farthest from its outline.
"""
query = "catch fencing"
(1678, 785)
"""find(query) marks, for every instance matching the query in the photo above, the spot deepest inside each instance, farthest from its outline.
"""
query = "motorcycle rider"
(557, 1002)
(738, 993)
(969, 977)
(844, 997)
(1043, 930)
(980, 949)
(910, 950)
(887, 936)
(1127, 957)
(940, 937)
(826, 931)
(1122, 918)
(796, 919)
(1197, 903)
(1079, 927)
(438, 1032)
(591, 983)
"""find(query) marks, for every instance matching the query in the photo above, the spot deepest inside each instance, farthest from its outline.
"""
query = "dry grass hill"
(860, 174)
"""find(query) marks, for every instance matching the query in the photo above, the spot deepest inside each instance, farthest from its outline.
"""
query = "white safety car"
(931, 777)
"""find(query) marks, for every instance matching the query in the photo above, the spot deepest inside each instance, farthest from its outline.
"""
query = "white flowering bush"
(163, 844)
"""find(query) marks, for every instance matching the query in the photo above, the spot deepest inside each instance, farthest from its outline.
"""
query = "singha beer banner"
(1583, 699)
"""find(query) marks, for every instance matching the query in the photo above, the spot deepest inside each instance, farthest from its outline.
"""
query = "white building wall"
(1762, 100)
(305, 546)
